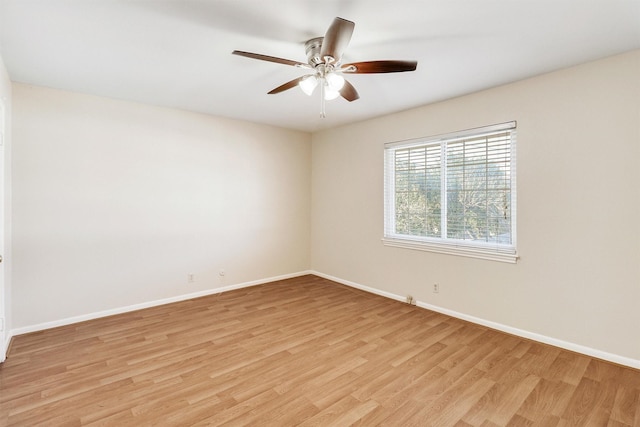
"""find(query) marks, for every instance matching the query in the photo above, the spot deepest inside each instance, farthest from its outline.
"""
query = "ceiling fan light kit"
(324, 55)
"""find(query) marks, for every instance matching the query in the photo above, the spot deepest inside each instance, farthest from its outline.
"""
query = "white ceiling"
(177, 53)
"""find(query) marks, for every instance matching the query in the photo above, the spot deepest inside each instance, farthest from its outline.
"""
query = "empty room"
(296, 213)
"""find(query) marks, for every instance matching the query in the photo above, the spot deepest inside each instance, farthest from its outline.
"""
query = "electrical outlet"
(191, 278)
(436, 288)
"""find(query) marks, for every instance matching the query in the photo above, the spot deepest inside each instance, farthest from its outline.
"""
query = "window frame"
(474, 249)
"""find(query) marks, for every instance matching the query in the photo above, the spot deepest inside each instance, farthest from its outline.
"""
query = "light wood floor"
(304, 351)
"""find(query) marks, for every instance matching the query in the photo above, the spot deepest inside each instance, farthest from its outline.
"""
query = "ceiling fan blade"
(369, 67)
(337, 39)
(349, 92)
(269, 58)
(288, 85)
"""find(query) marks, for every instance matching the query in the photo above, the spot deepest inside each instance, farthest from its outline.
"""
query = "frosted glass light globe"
(308, 84)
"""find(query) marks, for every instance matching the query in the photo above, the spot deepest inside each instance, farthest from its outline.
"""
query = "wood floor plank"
(626, 405)
(459, 398)
(568, 367)
(304, 351)
(591, 403)
(549, 397)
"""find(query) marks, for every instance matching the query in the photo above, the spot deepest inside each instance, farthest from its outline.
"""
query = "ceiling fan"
(324, 56)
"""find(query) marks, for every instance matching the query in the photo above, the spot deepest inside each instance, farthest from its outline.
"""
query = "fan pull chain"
(323, 114)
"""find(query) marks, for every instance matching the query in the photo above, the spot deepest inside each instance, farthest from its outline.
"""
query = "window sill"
(451, 248)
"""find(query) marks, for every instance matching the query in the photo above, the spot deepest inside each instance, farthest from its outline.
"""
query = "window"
(454, 193)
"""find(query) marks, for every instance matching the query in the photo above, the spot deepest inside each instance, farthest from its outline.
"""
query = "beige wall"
(116, 202)
(578, 279)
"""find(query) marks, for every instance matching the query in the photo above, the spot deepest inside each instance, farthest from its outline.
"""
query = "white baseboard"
(120, 310)
(5, 349)
(588, 351)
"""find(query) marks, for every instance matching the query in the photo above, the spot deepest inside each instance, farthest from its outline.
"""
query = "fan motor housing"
(312, 48)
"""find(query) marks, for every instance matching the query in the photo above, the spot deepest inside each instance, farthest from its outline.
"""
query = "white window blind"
(453, 193)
